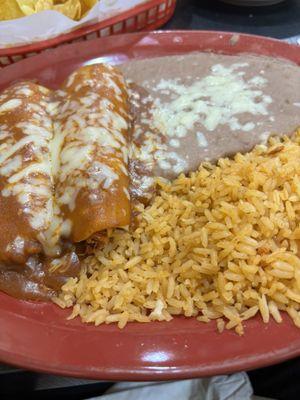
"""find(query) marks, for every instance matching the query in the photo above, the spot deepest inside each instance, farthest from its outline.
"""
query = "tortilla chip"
(74, 9)
(27, 6)
(86, 5)
(71, 9)
(42, 5)
(9, 9)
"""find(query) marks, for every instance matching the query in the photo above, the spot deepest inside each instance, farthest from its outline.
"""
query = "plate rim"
(152, 371)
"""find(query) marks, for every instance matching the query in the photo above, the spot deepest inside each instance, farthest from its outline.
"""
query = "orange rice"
(220, 244)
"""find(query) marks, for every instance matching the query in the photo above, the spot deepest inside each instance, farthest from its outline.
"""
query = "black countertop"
(279, 21)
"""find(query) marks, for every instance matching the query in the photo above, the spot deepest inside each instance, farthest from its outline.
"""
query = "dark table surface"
(279, 21)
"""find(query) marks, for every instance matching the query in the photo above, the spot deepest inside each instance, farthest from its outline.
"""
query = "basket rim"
(85, 30)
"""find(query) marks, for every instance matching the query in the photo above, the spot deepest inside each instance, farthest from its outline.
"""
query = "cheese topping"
(10, 105)
(213, 100)
(25, 164)
(219, 98)
(92, 131)
(202, 142)
(17, 246)
(100, 173)
(55, 144)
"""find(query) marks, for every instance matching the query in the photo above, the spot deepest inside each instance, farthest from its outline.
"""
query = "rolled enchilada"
(26, 183)
(63, 162)
(63, 175)
(92, 132)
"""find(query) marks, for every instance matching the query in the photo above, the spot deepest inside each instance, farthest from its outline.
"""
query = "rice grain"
(221, 243)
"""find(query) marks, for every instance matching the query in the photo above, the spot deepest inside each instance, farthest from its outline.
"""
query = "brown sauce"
(31, 276)
(39, 278)
(140, 170)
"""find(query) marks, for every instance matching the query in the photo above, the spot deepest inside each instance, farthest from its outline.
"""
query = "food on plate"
(27, 201)
(203, 106)
(64, 173)
(128, 207)
(93, 128)
(26, 182)
(74, 9)
(220, 244)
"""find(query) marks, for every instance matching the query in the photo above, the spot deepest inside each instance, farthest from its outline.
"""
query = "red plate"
(37, 335)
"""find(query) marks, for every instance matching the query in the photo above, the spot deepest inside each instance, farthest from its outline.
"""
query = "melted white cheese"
(174, 143)
(202, 142)
(100, 135)
(55, 147)
(126, 193)
(65, 153)
(17, 246)
(33, 168)
(10, 105)
(25, 91)
(25, 163)
(100, 173)
(51, 236)
(11, 165)
(216, 99)
(93, 131)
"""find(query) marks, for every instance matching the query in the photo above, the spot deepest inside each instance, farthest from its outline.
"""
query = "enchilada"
(26, 183)
(64, 176)
(93, 133)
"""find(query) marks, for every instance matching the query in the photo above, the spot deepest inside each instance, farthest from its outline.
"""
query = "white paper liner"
(49, 24)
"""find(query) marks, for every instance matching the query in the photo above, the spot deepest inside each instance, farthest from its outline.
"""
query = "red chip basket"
(147, 16)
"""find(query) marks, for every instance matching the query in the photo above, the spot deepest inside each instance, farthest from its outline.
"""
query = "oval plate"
(37, 335)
